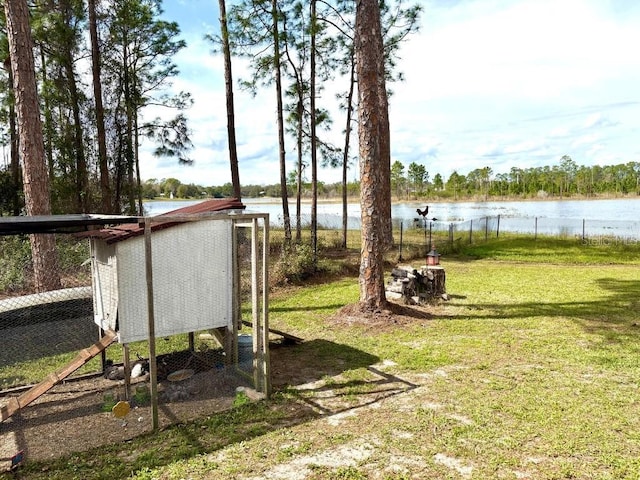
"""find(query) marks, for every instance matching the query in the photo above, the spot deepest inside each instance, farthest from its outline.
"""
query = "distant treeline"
(563, 180)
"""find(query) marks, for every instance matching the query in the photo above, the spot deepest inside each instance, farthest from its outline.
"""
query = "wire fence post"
(535, 230)
(470, 232)
(498, 227)
(486, 228)
(430, 237)
(451, 235)
(583, 229)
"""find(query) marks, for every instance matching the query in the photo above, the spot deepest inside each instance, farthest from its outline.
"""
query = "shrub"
(15, 259)
(294, 265)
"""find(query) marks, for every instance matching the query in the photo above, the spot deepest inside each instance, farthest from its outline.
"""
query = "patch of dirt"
(75, 415)
(392, 316)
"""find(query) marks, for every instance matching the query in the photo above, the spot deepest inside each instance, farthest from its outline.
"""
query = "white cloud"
(497, 83)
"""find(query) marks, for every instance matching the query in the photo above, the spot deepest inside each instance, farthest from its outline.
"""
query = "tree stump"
(434, 281)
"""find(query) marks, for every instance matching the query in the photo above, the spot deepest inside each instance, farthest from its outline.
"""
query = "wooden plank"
(285, 335)
(53, 379)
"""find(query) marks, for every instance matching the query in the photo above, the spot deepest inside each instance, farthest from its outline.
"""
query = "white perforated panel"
(192, 280)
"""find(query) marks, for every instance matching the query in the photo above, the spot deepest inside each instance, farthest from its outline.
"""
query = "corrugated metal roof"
(27, 224)
(123, 232)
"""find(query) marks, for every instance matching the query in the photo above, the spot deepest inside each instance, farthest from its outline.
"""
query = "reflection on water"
(601, 217)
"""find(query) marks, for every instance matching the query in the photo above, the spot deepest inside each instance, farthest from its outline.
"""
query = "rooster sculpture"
(423, 212)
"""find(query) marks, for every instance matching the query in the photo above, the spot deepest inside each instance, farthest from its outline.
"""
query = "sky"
(488, 83)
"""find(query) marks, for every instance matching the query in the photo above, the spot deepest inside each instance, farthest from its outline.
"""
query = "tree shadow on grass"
(309, 382)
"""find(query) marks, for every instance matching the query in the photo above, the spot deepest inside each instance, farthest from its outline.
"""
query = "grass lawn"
(530, 371)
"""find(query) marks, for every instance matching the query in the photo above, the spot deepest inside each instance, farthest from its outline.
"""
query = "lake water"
(618, 217)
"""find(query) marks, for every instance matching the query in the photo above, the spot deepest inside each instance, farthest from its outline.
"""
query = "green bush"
(15, 258)
(16, 265)
(294, 265)
(72, 253)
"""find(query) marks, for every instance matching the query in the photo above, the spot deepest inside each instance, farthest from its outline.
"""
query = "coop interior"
(163, 324)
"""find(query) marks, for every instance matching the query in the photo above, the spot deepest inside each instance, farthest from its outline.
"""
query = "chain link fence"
(76, 362)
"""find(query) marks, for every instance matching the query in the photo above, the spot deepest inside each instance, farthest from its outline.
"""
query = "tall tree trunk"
(130, 112)
(48, 120)
(385, 141)
(314, 146)
(372, 135)
(82, 176)
(345, 158)
(136, 154)
(105, 187)
(35, 178)
(15, 145)
(300, 133)
(283, 164)
(228, 84)
(120, 167)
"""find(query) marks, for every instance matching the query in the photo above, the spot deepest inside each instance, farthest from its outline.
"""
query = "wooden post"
(255, 319)
(127, 370)
(230, 344)
(266, 362)
(103, 353)
(153, 367)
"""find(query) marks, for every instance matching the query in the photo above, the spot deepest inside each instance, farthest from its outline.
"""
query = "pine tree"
(373, 137)
(36, 180)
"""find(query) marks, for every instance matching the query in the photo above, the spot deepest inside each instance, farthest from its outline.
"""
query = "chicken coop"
(179, 304)
(179, 273)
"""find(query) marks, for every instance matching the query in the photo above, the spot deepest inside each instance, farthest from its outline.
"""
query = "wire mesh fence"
(93, 361)
(422, 235)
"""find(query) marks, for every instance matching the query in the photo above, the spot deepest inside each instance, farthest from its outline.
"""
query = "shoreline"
(396, 201)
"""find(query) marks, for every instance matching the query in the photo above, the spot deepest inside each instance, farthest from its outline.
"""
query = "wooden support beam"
(287, 336)
(16, 403)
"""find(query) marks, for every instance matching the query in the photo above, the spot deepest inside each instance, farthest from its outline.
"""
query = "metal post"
(535, 235)
(498, 228)
(400, 252)
(470, 232)
(424, 223)
(430, 242)
(583, 229)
